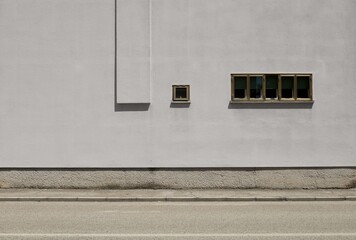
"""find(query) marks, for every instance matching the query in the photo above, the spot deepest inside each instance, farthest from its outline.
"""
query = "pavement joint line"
(330, 198)
(177, 234)
(178, 199)
(300, 198)
(270, 198)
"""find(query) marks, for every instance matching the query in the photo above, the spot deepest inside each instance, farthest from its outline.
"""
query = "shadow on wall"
(271, 106)
(179, 105)
(126, 107)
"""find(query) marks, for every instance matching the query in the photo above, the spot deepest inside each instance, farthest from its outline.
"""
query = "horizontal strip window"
(271, 88)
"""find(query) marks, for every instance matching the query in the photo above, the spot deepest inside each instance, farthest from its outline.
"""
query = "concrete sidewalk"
(80, 195)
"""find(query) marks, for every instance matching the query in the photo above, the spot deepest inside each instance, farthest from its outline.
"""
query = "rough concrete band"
(307, 178)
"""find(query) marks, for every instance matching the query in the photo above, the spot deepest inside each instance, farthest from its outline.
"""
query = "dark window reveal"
(287, 86)
(256, 86)
(240, 86)
(271, 86)
(181, 93)
(303, 87)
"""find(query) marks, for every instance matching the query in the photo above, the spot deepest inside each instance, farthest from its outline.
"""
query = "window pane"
(303, 86)
(271, 86)
(255, 86)
(181, 93)
(240, 83)
(287, 86)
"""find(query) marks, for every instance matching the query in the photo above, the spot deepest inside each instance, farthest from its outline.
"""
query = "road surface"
(178, 220)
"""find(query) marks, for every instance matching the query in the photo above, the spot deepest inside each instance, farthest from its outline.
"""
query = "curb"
(173, 199)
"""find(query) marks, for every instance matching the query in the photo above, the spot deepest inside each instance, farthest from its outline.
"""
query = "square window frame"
(180, 100)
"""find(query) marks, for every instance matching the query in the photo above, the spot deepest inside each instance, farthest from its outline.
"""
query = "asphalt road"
(181, 220)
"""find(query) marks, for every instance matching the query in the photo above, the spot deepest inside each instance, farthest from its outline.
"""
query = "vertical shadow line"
(115, 55)
(150, 39)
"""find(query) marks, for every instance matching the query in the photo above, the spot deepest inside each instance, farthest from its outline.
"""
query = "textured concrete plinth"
(280, 178)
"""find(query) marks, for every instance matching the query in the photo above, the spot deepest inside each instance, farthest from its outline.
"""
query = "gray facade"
(72, 72)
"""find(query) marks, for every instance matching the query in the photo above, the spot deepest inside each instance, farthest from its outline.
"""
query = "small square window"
(181, 93)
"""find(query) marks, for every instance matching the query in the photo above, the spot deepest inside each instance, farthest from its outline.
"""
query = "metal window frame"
(263, 89)
(247, 94)
(174, 97)
(279, 99)
(310, 86)
(293, 98)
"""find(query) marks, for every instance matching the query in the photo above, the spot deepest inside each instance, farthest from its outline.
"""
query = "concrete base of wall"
(276, 178)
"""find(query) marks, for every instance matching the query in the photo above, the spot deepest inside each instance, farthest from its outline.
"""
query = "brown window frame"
(247, 94)
(279, 98)
(180, 100)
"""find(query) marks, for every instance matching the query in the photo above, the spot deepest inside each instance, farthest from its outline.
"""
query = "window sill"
(271, 101)
(180, 102)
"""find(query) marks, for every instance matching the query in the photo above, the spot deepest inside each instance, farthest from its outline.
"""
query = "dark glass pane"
(271, 81)
(303, 87)
(287, 87)
(303, 93)
(303, 82)
(287, 93)
(240, 83)
(271, 93)
(255, 87)
(181, 93)
(271, 86)
(240, 93)
(287, 82)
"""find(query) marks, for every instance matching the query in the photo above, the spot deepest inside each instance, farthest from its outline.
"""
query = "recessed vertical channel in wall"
(133, 51)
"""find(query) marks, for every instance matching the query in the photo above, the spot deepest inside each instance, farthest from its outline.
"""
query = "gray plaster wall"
(230, 178)
(58, 91)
